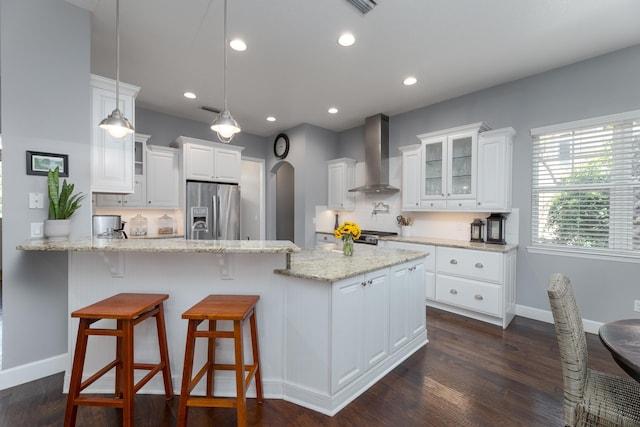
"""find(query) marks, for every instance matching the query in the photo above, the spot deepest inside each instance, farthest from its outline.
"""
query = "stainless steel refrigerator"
(212, 211)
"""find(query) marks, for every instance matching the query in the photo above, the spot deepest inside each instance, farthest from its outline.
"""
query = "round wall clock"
(281, 146)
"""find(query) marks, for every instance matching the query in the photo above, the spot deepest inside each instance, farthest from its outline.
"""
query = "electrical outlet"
(636, 305)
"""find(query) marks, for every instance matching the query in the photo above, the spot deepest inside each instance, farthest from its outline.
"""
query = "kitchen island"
(315, 350)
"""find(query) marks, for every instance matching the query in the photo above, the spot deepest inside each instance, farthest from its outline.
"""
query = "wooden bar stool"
(239, 309)
(128, 310)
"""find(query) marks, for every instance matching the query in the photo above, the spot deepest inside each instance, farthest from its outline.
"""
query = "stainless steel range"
(370, 237)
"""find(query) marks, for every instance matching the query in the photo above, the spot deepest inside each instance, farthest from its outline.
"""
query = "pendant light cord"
(225, 55)
(118, 54)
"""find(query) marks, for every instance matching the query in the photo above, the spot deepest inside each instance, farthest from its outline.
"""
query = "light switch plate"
(37, 229)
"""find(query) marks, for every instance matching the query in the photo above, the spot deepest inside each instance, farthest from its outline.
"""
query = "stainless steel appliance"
(370, 237)
(212, 211)
(109, 227)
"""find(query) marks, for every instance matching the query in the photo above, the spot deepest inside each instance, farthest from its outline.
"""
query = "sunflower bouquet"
(347, 232)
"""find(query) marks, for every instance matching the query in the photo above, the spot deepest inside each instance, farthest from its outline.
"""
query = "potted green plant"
(62, 204)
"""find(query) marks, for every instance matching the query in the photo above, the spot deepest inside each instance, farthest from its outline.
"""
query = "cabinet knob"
(479, 203)
(453, 292)
(364, 283)
(369, 282)
(460, 204)
(149, 202)
(416, 204)
(479, 265)
(453, 261)
(478, 297)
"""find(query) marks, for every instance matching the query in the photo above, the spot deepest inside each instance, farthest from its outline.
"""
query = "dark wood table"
(622, 339)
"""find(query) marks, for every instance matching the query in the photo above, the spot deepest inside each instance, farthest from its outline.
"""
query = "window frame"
(620, 222)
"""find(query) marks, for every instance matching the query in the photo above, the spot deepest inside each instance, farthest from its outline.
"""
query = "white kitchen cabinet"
(449, 168)
(477, 284)
(406, 303)
(209, 161)
(112, 160)
(325, 238)
(360, 326)
(341, 176)
(163, 177)
(495, 158)
(138, 197)
(429, 280)
(411, 160)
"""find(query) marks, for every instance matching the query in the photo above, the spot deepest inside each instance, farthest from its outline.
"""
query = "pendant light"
(116, 123)
(224, 124)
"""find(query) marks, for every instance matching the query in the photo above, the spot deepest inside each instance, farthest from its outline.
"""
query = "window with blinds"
(586, 185)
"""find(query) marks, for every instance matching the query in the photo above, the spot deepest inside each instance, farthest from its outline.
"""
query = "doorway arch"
(285, 190)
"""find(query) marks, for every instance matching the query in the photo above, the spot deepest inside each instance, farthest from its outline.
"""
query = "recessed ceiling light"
(333, 110)
(238, 44)
(346, 39)
(271, 119)
(190, 95)
(409, 81)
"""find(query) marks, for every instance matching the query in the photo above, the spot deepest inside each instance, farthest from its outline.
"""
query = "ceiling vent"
(363, 6)
(210, 109)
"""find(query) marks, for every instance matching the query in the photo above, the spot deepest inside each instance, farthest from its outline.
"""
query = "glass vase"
(347, 245)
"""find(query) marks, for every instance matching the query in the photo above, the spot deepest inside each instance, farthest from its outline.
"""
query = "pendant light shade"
(224, 124)
(116, 123)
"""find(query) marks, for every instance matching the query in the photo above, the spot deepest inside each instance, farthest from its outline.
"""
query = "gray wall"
(310, 148)
(604, 85)
(45, 48)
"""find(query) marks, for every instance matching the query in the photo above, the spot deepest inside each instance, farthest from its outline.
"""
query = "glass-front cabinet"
(449, 163)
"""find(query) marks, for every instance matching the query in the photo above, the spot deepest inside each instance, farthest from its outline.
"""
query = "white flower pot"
(57, 228)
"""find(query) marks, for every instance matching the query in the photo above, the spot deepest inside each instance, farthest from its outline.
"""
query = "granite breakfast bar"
(314, 348)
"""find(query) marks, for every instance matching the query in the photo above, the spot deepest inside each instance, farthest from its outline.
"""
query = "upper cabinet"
(466, 168)
(112, 160)
(209, 161)
(163, 177)
(495, 153)
(411, 160)
(341, 176)
(449, 164)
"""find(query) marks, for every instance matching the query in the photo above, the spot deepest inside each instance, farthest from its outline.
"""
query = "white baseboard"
(590, 326)
(32, 371)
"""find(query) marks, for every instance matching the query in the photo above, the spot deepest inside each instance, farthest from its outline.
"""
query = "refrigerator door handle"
(215, 225)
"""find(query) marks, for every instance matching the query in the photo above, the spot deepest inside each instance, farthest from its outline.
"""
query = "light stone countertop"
(451, 243)
(463, 244)
(327, 263)
(178, 245)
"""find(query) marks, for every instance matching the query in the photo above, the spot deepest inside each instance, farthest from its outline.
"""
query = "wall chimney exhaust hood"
(376, 157)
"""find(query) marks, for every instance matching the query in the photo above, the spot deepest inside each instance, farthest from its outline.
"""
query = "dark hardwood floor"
(470, 374)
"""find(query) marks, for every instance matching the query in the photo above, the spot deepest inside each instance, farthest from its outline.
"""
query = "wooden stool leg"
(164, 352)
(127, 374)
(241, 395)
(211, 359)
(185, 390)
(76, 374)
(256, 356)
(118, 358)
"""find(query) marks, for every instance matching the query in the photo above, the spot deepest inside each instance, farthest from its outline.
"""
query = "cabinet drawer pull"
(479, 297)
(479, 265)
(369, 282)
(453, 292)
(453, 261)
(364, 283)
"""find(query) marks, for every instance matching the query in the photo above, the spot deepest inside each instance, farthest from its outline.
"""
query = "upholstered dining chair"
(591, 398)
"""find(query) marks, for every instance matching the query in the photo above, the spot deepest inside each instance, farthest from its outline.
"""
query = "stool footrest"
(114, 402)
(218, 402)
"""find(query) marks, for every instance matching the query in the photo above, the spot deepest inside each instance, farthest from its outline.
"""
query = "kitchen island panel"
(187, 278)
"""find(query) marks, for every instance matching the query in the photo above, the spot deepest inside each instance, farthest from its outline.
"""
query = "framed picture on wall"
(40, 163)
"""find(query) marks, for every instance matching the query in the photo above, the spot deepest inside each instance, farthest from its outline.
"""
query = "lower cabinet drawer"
(470, 294)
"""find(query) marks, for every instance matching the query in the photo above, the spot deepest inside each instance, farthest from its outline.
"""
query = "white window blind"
(586, 185)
